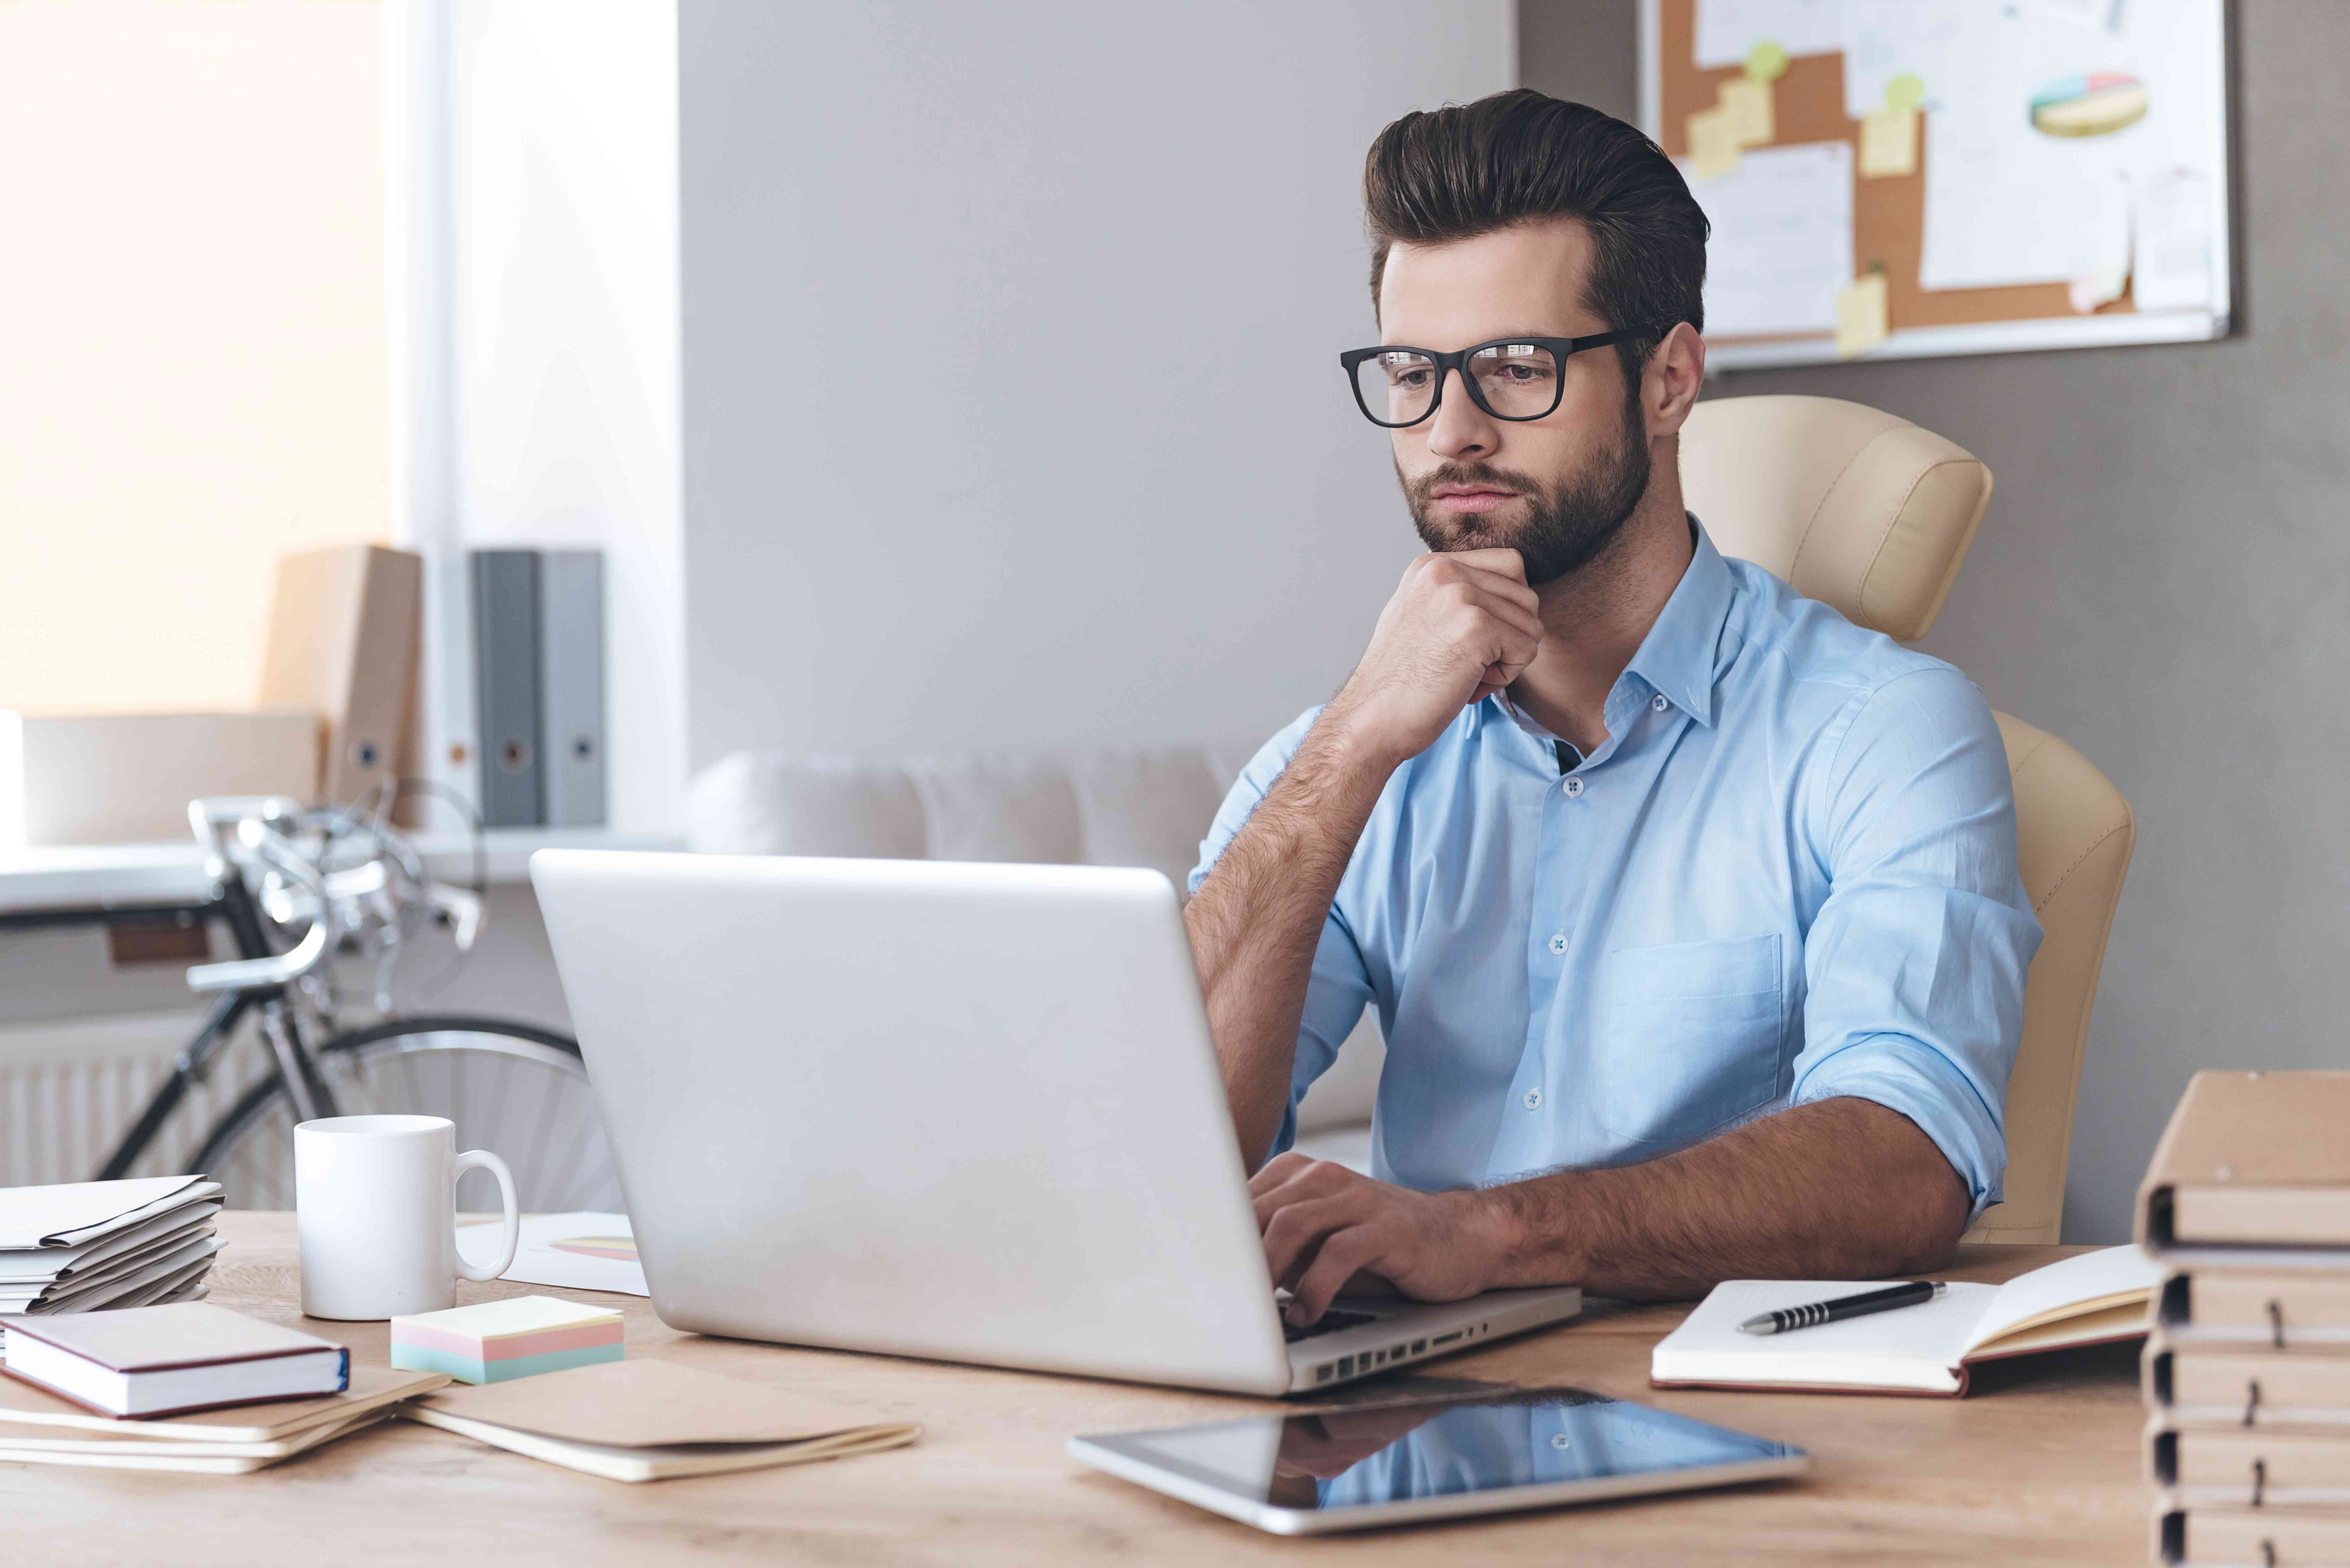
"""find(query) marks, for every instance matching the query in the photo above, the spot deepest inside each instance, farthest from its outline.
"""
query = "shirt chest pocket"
(1688, 1037)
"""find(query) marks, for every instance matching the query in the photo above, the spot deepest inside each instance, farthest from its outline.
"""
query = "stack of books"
(84, 1245)
(2246, 1210)
(191, 1387)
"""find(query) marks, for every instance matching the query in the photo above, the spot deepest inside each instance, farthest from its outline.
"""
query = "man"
(1690, 910)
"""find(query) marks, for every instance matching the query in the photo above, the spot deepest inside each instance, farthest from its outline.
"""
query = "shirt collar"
(1677, 657)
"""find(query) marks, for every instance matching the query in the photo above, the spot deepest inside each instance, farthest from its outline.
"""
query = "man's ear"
(1671, 380)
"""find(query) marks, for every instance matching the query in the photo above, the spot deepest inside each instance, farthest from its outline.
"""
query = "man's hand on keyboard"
(1325, 1226)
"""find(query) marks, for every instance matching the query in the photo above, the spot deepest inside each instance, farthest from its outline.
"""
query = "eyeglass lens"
(1516, 381)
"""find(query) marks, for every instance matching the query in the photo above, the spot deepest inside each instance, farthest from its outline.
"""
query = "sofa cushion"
(1007, 807)
(777, 803)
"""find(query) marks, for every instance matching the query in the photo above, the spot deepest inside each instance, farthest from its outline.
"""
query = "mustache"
(1483, 475)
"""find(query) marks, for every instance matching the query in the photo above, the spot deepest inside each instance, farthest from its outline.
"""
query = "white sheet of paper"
(2170, 254)
(1782, 239)
(540, 1261)
(1727, 29)
(2005, 204)
(81, 1211)
(1882, 39)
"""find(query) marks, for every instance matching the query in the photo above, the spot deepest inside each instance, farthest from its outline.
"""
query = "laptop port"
(1417, 1345)
(1322, 1374)
(1345, 1366)
(1449, 1338)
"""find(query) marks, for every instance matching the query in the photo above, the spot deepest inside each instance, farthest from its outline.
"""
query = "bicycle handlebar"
(253, 817)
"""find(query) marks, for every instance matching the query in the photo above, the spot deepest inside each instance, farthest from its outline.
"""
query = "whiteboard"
(2065, 182)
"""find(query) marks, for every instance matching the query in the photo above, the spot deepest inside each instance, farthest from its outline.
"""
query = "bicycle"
(296, 889)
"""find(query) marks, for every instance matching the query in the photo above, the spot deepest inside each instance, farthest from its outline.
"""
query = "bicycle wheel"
(514, 1089)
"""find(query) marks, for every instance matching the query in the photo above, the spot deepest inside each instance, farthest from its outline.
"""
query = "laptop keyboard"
(1330, 1321)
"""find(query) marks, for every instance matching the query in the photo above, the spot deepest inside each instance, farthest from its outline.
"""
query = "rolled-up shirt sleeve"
(1340, 985)
(1915, 965)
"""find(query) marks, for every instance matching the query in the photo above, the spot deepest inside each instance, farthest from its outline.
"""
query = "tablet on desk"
(1400, 1463)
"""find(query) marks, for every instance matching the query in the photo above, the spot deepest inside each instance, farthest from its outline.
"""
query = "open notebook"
(2092, 1299)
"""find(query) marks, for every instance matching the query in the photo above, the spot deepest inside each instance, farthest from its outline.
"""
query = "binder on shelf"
(571, 666)
(507, 687)
(343, 633)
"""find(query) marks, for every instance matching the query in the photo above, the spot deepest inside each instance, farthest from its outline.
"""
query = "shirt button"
(1558, 942)
(1561, 1440)
(1658, 702)
(1572, 788)
(1533, 1099)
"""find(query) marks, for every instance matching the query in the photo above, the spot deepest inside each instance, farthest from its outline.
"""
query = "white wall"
(541, 349)
(1013, 413)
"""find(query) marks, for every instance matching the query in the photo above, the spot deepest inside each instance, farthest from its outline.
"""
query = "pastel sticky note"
(1861, 315)
(1905, 91)
(1713, 149)
(491, 1342)
(1888, 142)
(1766, 61)
(1747, 104)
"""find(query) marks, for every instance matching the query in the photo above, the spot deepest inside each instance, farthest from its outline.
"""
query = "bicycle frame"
(234, 906)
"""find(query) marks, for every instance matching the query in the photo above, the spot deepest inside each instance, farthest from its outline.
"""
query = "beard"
(1568, 523)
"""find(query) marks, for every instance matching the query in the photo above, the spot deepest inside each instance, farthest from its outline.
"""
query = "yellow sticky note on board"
(1748, 105)
(1888, 142)
(1863, 313)
(1713, 147)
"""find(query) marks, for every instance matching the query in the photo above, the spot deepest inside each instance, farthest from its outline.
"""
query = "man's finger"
(1291, 1235)
(1358, 1246)
(1499, 558)
(1276, 1170)
(1306, 1178)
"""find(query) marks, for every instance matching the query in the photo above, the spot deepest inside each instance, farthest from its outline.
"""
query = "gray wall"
(1012, 408)
(2161, 580)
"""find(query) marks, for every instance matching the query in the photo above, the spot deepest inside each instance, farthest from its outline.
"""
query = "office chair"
(1873, 514)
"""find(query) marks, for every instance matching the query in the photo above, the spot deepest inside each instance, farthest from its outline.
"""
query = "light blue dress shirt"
(1788, 873)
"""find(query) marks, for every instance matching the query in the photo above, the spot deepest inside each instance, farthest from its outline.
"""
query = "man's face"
(1554, 489)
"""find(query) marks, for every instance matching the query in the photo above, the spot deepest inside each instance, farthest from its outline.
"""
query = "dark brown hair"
(1470, 169)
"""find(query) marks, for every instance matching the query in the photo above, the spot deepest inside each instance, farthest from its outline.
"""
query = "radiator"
(69, 1089)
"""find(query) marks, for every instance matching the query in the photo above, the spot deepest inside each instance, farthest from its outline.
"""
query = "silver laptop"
(959, 1111)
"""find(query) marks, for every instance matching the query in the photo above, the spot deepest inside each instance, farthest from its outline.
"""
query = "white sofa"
(1102, 807)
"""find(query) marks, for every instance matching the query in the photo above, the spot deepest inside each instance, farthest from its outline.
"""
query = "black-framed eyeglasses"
(1510, 378)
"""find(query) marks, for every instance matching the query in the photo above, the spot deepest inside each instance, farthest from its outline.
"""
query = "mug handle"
(483, 1159)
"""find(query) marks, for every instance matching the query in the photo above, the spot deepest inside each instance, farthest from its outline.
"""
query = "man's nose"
(1458, 428)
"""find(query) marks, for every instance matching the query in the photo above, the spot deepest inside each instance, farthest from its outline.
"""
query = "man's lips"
(1472, 498)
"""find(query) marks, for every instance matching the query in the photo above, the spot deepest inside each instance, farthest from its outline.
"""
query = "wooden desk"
(2040, 1465)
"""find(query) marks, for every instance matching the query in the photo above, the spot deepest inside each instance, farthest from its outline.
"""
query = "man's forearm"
(1257, 919)
(1843, 1189)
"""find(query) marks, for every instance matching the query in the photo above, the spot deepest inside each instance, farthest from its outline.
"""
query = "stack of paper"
(2247, 1208)
(521, 1336)
(649, 1420)
(37, 1427)
(84, 1245)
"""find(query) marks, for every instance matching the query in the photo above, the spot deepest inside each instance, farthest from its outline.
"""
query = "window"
(193, 309)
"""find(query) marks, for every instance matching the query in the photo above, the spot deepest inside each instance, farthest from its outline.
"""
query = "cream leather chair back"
(1874, 515)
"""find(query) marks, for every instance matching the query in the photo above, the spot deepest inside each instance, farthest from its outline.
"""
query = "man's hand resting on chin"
(1324, 1225)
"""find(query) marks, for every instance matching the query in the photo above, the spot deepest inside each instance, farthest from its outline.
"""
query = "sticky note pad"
(494, 1341)
(1748, 106)
(1862, 309)
(1713, 144)
(1888, 142)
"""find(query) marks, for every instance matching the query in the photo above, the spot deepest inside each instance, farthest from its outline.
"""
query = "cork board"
(1888, 211)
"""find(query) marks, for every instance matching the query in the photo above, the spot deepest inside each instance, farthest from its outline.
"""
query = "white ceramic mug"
(375, 1201)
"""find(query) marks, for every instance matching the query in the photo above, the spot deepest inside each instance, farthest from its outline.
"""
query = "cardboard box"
(128, 778)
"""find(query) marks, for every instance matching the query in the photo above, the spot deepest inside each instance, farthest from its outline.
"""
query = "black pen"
(1916, 1292)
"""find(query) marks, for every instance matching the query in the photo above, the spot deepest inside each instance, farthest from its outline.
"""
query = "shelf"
(113, 875)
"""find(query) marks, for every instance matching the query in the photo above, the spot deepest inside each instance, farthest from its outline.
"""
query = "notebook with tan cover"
(2247, 1467)
(2303, 1537)
(2253, 1159)
(2235, 1387)
(2095, 1298)
(648, 1421)
(2281, 1311)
